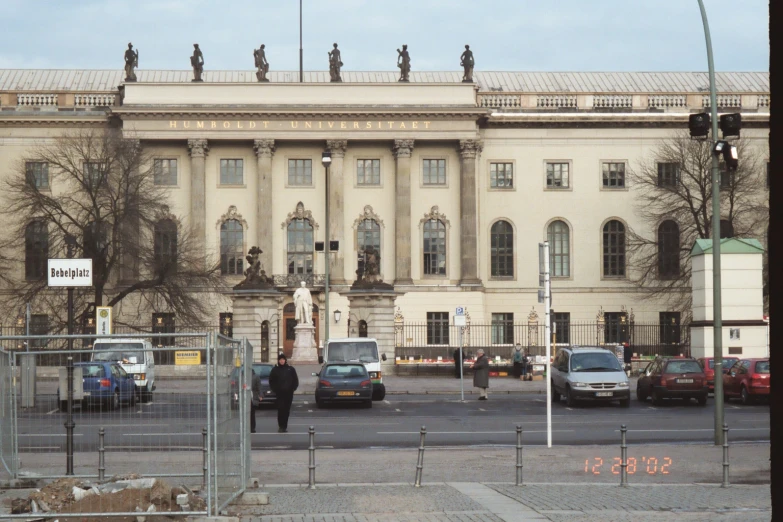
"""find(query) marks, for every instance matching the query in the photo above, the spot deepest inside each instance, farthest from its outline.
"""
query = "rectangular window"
(368, 172)
(502, 328)
(726, 177)
(163, 323)
(669, 327)
(165, 171)
(231, 172)
(38, 174)
(300, 172)
(561, 321)
(434, 171)
(501, 175)
(39, 325)
(668, 174)
(557, 175)
(614, 175)
(615, 327)
(437, 328)
(94, 171)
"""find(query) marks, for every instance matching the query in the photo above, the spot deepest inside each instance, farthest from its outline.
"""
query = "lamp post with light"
(326, 161)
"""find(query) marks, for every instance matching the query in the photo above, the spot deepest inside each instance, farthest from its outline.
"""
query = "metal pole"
(101, 455)
(717, 315)
(548, 341)
(725, 483)
(301, 65)
(519, 454)
(461, 369)
(623, 457)
(27, 317)
(69, 424)
(326, 262)
(205, 450)
(210, 427)
(311, 432)
(420, 462)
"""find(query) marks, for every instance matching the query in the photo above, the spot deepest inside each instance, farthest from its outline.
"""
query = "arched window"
(434, 247)
(36, 250)
(165, 246)
(362, 328)
(368, 234)
(668, 250)
(614, 249)
(558, 235)
(300, 246)
(231, 247)
(501, 249)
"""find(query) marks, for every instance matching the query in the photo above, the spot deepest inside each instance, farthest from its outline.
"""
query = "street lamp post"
(717, 316)
(326, 160)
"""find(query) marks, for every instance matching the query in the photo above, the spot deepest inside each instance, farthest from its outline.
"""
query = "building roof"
(48, 80)
(728, 246)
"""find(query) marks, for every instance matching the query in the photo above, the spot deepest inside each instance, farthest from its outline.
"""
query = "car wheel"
(319, 403)
(625, 403)
(656, 399)
(368, 404)
(570, 401)
(555, 394)
(378, 392)
(639, 396)
(745, 396)
(702, 400)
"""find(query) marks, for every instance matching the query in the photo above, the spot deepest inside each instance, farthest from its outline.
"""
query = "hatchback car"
(262, 370)
(673, 378)
(343, 382)
(708, 365)
(589, 373)
(747, 379)
(103, 383)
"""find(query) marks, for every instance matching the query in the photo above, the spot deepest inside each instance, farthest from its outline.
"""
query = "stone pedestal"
(376, 308)
(305, 350)
(251, 308)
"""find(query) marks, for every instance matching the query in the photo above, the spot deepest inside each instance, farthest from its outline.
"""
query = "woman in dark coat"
(481, 374)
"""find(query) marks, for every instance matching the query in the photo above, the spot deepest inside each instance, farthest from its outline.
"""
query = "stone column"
(336, 230)
(402, 212)
(469, 151)
(264, 151)
(198, 189)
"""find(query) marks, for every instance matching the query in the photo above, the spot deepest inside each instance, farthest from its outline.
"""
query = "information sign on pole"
(460, 320)
(103, 320)
(543, 254)
(460, 310)
(69, 272)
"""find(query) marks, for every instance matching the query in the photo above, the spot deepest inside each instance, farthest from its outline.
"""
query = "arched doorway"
(289, 323)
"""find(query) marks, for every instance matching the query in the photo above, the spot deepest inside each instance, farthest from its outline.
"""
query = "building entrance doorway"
(289, 323)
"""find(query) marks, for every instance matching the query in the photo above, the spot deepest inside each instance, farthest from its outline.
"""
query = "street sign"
(541, 295)
(460, 310)
(541, 260)
(103, 320)
(460, 320)
(69, 272)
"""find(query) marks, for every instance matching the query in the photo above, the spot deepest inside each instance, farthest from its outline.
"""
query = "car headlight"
(374, 375)
(622, 384)
(579, 384)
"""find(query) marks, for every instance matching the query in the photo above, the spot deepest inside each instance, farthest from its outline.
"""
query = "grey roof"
(537, 82)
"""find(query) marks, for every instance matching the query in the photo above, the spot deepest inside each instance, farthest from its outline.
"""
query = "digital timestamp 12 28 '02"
(649, 465)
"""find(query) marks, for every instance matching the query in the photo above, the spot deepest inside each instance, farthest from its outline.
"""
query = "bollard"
(519, 455)
(725, 483)
(205, 450)
(623, 457)
(311, 432)
(101, 456)
(420, 462)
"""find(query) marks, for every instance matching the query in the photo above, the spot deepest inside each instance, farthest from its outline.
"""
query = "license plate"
(684, 381)
(603, 394)
(345, 393)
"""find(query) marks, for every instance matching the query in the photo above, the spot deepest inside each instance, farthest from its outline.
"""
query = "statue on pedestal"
(404, 63)
(467, 62)
(131, 62)
(197, 62)
(255, 277)
(303, 302)
(304, 332)
(335, 63)
(370, 277)
(261, 64)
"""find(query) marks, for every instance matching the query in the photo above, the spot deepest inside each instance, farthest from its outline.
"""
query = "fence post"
(420, 462)
(205, 450)
(311, 432)
(519, 454)
(725, 483)
(101, 455)
(623, 457)
(69, 424)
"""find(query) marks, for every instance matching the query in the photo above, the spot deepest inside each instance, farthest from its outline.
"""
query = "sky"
(505, 35)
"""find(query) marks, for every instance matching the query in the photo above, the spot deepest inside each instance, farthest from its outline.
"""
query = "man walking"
(481, 374)
(255, 401)
(284, 382)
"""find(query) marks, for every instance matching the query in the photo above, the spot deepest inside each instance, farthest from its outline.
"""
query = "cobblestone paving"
(380, 517)
(660, 516)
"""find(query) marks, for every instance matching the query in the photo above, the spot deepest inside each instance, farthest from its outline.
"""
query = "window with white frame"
(231, 247)
(38, 174)
(559, 249)
(434, 172)
(300, 172)
(368, 172)
(165, 171)
(231, 172)
(503, 328)
(613, 175)
(557, 175)
(501, 175)
(434, 247)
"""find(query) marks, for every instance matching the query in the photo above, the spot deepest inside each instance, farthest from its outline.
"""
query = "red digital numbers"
(651, 465)
(596, 467)
(666, 463)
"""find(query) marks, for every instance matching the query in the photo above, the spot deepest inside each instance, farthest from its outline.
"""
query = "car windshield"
(762, 367)
(683, 367)
(345, 370)
(360, 351)
(92, 370)
(262, 371)
(727, 361)
(119, 352)
(595, 362)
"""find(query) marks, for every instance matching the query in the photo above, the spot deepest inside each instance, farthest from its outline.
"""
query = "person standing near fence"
(255, 400)
(481, 374)
(519, 361)
(284, 382)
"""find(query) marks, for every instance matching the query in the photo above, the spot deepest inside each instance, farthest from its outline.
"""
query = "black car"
(260, 369)
(343, 382)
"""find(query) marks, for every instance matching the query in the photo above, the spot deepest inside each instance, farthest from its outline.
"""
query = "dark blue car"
(104, 383)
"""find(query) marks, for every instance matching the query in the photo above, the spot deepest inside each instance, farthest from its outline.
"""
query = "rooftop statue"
(261, 64)
(197, 62)
(131, 62)
(404, 63)
(335, 63)
(466, 61)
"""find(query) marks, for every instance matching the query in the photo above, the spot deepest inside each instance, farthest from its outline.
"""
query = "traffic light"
(699, 125)
(730, 124)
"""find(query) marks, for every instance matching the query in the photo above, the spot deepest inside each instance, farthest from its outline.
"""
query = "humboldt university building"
(452, 184)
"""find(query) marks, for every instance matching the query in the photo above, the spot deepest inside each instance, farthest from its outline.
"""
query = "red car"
(748, 379)
(672, 378)
(708, 364)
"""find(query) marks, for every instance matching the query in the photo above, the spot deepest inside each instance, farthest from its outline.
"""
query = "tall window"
(300, 247)
(614, 175)
(94, 172)
(165, 246)
(368, 172)
(231, 247)
(96, 240)
(300, 172)
(501, 175)
(726, 177)
(668, 250)
(437, 328)
(503, 328)
(165, 171)
(37, 174)
(557, 175)
(434, 247)
(668, 174)
(562, 327)
(36, 250)
(726, 229)
(231, 172)
(502, 249)
(434, 171)
(163, 323)
(368, 234)
(557, 234)
(670, 327)
(614, 249)
(226, 323)
(362, 328)
(616, 327)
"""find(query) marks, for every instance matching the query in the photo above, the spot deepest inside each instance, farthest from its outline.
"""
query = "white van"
(135, 357)
(358, 349)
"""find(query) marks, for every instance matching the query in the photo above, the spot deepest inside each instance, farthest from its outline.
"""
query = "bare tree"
(101, 195)
(674, 186)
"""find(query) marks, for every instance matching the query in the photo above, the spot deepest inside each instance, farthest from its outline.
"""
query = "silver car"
(589, 373)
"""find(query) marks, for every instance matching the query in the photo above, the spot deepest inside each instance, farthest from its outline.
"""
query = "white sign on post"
(69, 272)
(103, 320)
(460, 320)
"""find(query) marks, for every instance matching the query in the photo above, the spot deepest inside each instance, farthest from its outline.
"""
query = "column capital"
(337, 147)
(402, 148)
(198, 147)
(264, 148)
(470, 148)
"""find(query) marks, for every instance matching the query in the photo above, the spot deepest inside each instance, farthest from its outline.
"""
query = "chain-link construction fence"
(7, 450)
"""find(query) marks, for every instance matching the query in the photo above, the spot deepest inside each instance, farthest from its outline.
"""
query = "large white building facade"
(455, 184)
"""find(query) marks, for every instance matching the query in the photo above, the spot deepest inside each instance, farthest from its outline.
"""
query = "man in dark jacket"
(255, 400)
(284, 382)
(481, 374)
